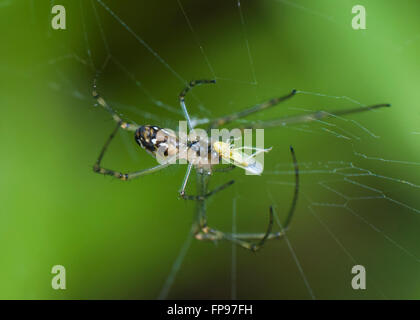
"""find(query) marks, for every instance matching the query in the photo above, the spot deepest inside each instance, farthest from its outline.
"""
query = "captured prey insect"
(203, 153)
(165, 144)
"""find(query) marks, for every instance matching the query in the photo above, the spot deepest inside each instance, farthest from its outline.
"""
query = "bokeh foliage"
(118, 239)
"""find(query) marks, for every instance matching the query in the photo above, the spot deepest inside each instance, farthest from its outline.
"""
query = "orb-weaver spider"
(147, 138)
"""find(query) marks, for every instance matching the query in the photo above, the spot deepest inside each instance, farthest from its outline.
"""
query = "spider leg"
(184, 93)
(296, 191)
(119, 175)
(101, 101)
(243, 240)
(309, 117)
(244, 113)
(184, 183)
(209, 194)
(190, 126)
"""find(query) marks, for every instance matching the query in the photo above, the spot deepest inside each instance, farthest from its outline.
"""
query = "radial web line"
(233, 294)
(251, 61)
(310, 11)
(111, 57)
(175, 267)
(101, 29)
(332, 235)
(89, 53)
(197, 39)
(292, 251)
(375, 228)
(295, 258)
(141, 41)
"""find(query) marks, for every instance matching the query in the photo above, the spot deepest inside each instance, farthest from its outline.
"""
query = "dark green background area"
(118, 240)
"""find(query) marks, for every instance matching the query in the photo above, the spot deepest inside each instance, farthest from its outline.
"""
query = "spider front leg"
(181, 98)
(184, 92)
(101, 101)
(309, 117)
(119, 175)
(244, 113)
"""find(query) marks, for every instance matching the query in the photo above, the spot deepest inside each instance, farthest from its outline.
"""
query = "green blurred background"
(119, 240)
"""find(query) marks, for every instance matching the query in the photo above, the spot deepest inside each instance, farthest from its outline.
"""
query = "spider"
(157, 141)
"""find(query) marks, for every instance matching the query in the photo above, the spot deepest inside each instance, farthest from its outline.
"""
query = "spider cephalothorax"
(157, 141)
(146, 136)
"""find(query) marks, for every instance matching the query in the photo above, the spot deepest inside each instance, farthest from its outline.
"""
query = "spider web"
(353, 203)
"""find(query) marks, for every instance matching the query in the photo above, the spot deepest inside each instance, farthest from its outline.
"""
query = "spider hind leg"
(244, 240)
